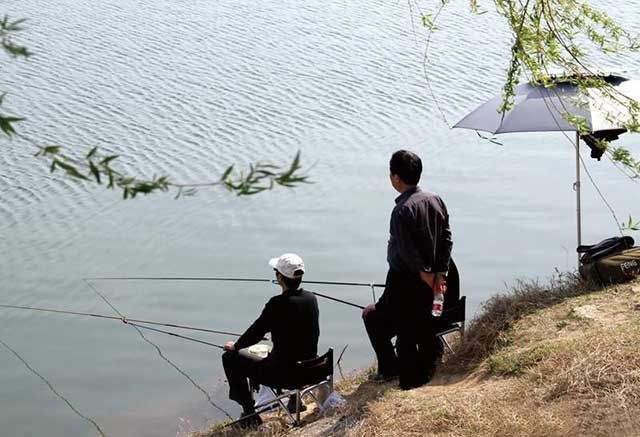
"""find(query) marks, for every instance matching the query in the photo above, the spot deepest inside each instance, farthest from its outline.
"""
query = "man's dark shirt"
(419, 240)
(292, 320)
(419, 234)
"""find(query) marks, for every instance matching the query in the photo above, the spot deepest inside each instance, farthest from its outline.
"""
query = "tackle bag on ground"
(611, 261)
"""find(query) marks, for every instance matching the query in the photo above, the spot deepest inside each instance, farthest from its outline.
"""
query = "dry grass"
(490, 330)
(272, 426)
(488, 409)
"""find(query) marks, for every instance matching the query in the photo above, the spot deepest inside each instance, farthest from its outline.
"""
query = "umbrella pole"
(576, 187)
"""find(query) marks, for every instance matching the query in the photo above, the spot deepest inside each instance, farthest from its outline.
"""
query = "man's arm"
(257, 330)
(444, 243)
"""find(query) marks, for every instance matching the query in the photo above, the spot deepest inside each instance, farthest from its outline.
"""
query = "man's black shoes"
(419, 381)
(381, 377)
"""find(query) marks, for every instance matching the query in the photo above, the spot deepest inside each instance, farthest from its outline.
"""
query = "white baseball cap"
(289, 264)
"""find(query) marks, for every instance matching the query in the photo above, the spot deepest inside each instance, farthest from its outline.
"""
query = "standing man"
(292, 320)
(418, 254)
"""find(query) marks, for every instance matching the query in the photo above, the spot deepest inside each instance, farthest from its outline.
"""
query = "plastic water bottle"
(438, 301)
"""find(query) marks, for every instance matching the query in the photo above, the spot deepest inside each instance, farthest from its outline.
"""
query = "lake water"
(187, 88)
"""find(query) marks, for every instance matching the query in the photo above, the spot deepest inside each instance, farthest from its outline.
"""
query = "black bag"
(611, 261)
(604, 248)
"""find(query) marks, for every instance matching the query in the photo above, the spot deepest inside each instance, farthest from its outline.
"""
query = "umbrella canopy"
(540, 109)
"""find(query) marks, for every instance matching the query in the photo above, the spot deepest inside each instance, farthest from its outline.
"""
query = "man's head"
(289, 269)
(405, 169)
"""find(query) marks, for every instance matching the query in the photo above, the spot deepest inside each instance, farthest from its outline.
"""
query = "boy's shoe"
(249, 420)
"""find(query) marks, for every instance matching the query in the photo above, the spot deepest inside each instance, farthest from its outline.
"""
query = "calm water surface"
(186, 88)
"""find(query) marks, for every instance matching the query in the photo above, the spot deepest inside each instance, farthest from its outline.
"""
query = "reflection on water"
(185, 89)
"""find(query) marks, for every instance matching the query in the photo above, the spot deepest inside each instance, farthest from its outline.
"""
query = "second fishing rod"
(371, 285)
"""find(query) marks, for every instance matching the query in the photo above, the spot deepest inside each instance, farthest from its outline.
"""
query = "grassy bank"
(555, 359)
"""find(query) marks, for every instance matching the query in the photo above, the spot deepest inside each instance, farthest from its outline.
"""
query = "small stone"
(637, 307)
(586, 312)
(635, 289)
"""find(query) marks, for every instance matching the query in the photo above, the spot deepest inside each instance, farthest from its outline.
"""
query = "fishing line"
(103, 316)
(52, 388)
(182, 372)
(157, 348)
(340, 359)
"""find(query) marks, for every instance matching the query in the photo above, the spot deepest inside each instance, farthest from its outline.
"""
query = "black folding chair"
(308, 376)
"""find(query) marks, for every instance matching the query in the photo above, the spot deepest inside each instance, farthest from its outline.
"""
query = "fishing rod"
(338, 300)
(122, 319)
(173, 334)
(150, 322)
(206, 278)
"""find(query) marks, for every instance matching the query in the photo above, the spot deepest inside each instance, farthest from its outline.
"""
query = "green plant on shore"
(515, 363)
(631, 225)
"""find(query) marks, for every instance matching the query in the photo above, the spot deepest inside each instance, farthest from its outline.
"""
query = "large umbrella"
(540, 109)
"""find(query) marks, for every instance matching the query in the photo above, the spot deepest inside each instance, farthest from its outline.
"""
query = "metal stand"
(576, 187)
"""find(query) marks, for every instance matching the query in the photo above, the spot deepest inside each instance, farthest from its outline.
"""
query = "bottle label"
(436, 310)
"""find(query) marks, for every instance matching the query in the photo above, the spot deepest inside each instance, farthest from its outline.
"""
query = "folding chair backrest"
(453, 286)
(455, 313)
(452, 316)
(315, 370)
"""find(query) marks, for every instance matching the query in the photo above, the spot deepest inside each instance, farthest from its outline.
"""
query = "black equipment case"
(611, 261)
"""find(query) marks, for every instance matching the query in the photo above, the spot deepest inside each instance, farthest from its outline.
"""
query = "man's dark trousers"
(404, 310)
(241, 368)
